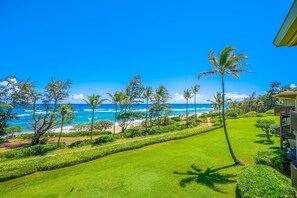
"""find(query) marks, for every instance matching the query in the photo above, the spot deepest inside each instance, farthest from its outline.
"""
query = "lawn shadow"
(210, 177)
(263, 135)
(265, 142)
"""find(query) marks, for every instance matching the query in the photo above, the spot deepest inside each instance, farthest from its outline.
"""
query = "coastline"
(67, 129)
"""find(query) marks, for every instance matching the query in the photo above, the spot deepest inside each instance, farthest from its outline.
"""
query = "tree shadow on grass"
(263, 135)
(210, 177)
(265, 142)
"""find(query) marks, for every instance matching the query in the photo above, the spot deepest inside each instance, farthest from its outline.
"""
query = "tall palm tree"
(217, 103)
(187, 96)
(116, 99)
(66, 116)
(226, 64)
(195, 91)
(148, 94)
(161, 97)
(94, 101)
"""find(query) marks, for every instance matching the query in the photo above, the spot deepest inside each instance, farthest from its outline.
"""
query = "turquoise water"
(104, 112)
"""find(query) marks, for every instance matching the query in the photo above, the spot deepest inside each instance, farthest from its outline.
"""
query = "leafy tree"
(265, 125)
(133, 97)
(195, 90)
(55, 92)
(161, 97)
(13, 129)
(168, 112)
(67, 115)
(148, 94)
(102, 125)
(94, 101)
(187, 95)
(116, 99)
(217, 103)
(226, 64)
(12, 93)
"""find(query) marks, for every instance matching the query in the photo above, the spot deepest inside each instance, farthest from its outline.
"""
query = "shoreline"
(67, 129)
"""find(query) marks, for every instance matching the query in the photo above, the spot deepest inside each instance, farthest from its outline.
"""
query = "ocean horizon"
(83, 113)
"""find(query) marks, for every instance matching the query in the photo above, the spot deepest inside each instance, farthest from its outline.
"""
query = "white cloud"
(179, 98)
(292, 86)
(78, 97)
(6, 83)
(236, 96)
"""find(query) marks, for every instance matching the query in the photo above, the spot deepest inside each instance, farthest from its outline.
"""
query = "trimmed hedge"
(263, 181)
(18, 168)
(272, 157)
(31, 151)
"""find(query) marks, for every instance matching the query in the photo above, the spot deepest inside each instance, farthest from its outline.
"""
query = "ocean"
(104, 112)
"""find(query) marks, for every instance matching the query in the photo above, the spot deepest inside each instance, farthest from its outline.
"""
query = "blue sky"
(100, 45)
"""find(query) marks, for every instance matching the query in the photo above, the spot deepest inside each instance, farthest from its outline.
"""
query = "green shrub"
(18, 168)
(272, 157)
(270, 112)
(80, 143)
(251, 114)
(263, 181)
(176, 118)
(102, 125)
(31, 151)
(77, 133)
(103, 139)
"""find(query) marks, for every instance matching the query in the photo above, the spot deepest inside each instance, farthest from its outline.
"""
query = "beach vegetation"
(132, 97)
(67, 115)
(42, 122)
(187, 95)
(94, 101)
(195, 90)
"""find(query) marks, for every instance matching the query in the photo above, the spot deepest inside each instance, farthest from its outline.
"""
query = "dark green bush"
(263, 181)
(176, 118)
(103, 139)
(77, 133)
(251, 114)
(80, 143)
(270, 112)
(31, 151)
(272, 157)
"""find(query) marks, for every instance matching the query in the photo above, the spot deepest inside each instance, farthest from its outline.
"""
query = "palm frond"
(225, 55)
(207, 73)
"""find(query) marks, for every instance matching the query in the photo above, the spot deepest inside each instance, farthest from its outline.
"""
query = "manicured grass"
(153, 171)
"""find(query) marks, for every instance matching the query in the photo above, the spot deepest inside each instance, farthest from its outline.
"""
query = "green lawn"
(150, 171)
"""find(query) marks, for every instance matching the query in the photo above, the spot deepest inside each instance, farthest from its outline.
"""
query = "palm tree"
(66, 116)
(148, 93)
(187, 96)
(217, 103)
(94, 101)
(195, 91)
(226, 64)
(116, 99)
(161, 97)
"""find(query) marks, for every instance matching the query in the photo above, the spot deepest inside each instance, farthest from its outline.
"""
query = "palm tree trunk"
(236, 161)
(146, 114)
(159, 114)
(220, 115)
(267, 134)
(115, 120)
(187, 120)
(195, 108)
(61, 131)
(92, 123)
